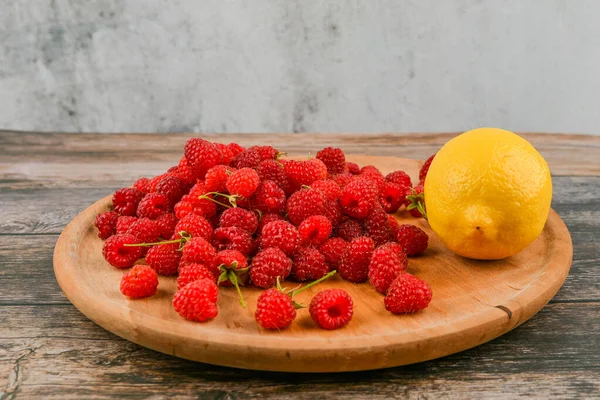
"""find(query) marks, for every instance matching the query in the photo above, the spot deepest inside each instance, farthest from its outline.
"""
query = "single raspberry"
(195, 226)
(373, 174)
(166, 224)
(153, 183)
(142, 184)
(407, 294)
(266, 152)
(333, 158)
(191, 272)
(239, 218)
(350, 229)
(199, 251)
(140, 281)
(359, 197)
(354, 266)
(272, 170)
(331, 308)
(425, 168)
(399, 178)
(394, 248)
(329, 188)
(154, 205)
(201, 156)
(377, 226)
(124, 222)
(394, 226)
(392, 196)
(233, 238)
(197, 301)
(412, 239)
(246, 159)
(304, 203)
(314, 230)
(333, 211)
(184, 207)
(125, 201)
(226, 152)
(413, 193)
(145, 230)
(282, 235)
(243, 182)
(332, 250)
(352, 168)
(106, 223)
(309, 264)
(342, 179)
(185, 172)
(268, 265)
(216, 177)
(274, 309)
(164, 258)
(301, 173)
(385, 266)
(269, 197)
(232, 261)
(265, 219)
(172, 187)
(235, 149)
(121, 256)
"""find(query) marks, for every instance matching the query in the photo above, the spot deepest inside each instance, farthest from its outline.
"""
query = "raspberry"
(192, 272)
(332, 250)
(394, 226)
(399, 178)
(377, 226)
(266, 152)
(125, 201)
(373, 174)
(314, 230)
(272, 170)
(269, 197)
(385, 265)
(184, 207)
(140, 281)
(392, 196)
(274, 309)
(124, 222)
(239, 218)
(412, 239)
(145, 230)
(153, 205)
(172, 187)
(197, 301)
(350, 229)
(246, 159)
(243, 182)
(185, 172)
(142, 184)
(265, 219)
(358, 198)
(216, 177)
(198, 250)
(280, 234)
(268, 265)
(155, 181)
(352, 168)
(354, 265)
(233, 238)
(201, 156)
(304, 203)
(309, 264)
(394, 248)
(425, 168)
(226, 152)
(301, 173)
(342, 179)
(106, 223)
(333, 211)
(117, 254)
(411, 192)
(195, 226)
(407, 294)
(164, 258)
(166, 225)
(331, 308)
(235, 149)
(231, 260)
(333, 158)
(329, 188)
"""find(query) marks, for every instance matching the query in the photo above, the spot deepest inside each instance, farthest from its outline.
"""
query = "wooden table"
(48, 349)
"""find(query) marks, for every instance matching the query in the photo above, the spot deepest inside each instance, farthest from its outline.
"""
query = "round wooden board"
(473, 302)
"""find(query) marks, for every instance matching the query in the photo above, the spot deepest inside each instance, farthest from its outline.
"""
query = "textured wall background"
(311, 65)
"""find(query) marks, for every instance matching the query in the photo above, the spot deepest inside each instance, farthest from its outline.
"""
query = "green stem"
(313, 283)
(205, 196)
(153, 244)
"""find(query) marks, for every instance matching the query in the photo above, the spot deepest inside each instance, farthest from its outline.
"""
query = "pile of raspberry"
(228, 216)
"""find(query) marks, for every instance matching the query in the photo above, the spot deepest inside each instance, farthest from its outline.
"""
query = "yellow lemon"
(487, 194)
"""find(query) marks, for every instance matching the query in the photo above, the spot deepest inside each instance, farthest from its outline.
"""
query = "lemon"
(487, 194)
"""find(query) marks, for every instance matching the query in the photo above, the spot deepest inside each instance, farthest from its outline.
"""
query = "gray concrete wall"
(291, 65)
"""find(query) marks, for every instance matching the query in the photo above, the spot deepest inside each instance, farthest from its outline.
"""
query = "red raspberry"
(314, 230)
(201, 156)
(164, 258)
(243, 182)
(394, 226)
(274, 309)
(333, 211)
(342, 179)
(197, 301)
(234, 260)
(106, 223)
(192, 272)
(239, 218)
(269, 197)
(166, 224)
(145, 230)
(333, 158)
(332, 250)
(265, 219)
(410, 192)
(354, 266)
(331, 308)
(353, 168)
(140, 281)
(309, 264)
(412, 239)
(392, 196)
(272, 170)
(350, 229)
(377, 226)
(172, 187)
(385, 265)
(117, 254)
(185, 172)
(195, 226)
(233, 238)
(407, 294)
(184, 207)
(359, 197)
(125, 201)
(266, 152)
(246, 159)
(235, 149)
(124, 222)
(425, 168)
(268, 265)
(304, 203)
(329, 188)
(155, 181)
(226, 152)
(394, 248)
(373, 174)
(301, 173)
(399, 178)
(199, 251)
(216, 177)
(154, 205)
(142, 184)
(282, 235)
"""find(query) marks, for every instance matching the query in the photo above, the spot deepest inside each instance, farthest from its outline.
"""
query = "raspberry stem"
(417, 201)
(313, 283)
(185, 237)
(231, 198)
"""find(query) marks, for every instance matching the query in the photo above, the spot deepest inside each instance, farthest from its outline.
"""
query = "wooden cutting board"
(473, 302)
